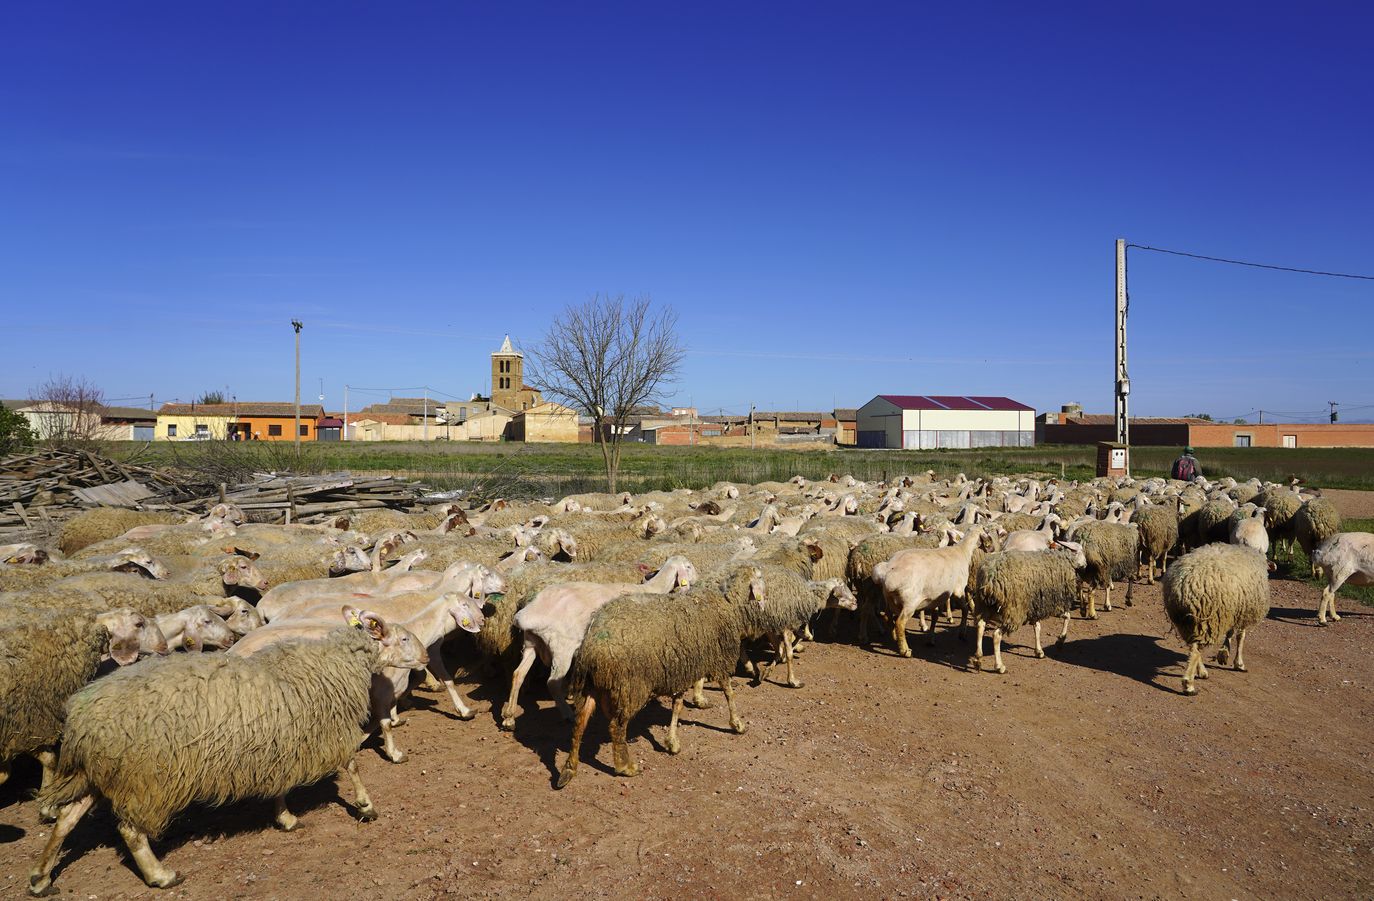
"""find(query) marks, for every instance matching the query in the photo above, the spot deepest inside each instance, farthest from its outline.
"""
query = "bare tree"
(69, 411)
(609, 357)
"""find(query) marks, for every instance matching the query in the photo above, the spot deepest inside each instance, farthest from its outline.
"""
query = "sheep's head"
(451, 522)
(131, 634)
(137, 560)
(799, 481)
(652, 525)
(756, 590)
(351, 559)
(708, 508)
(466, 612)
(836, 594)
(202, 627)
(684, 570)
(25, 553)
(1075, 550)
(240, 616)
(399, 646)
(730, 492)
(241, 572)
(557, 543)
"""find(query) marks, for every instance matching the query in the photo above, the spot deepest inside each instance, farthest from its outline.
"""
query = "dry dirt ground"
(1083, 775)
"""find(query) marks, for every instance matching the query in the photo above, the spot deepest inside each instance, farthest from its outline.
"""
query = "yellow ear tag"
(467, 621)
(186, 641)
(355, 622)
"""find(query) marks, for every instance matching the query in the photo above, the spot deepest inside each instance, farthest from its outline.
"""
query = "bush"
(15, 433)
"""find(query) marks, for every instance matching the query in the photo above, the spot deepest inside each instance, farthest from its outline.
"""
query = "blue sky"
(839, 200)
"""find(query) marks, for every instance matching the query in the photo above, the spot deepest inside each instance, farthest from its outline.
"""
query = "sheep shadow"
(199, 822)
(1143, 658)
(1307, 617)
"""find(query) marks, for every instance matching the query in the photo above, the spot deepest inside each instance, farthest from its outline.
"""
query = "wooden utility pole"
(1123, 380)
(298, 325)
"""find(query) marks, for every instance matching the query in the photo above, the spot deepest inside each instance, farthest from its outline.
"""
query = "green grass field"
(554, 468)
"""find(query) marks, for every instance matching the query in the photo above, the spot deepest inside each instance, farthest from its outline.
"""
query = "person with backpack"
(1186, 467)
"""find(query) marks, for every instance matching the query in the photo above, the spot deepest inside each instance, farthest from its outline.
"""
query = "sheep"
(1213, 523)
(214, 728)
(103, 523)
(1248, 530)
(48, 656)
(283, 599)
(836, 536)
(555, 620)
(197, 628)
(1344, 557)
(1215, 593)
(593, 537)
(214, 579)
(1316, 520)
(498, 640)
(1111, 550)
(1281, 505)
(1019, 587)
(791, 604)
(705, 555)
(1158, 535)
(128, 560)
(919, 578)
(23, 553)
(638, 647)
(869, 553)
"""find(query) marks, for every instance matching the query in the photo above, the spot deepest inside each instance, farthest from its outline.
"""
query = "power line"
(1199, 256)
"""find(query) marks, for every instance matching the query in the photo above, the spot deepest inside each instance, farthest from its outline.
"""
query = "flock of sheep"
(623, 598)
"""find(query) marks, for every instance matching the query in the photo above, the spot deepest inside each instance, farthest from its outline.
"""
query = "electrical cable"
(1199, 256)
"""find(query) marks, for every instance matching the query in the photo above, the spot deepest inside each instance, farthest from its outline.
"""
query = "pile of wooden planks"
(282, 497)
(46, 486)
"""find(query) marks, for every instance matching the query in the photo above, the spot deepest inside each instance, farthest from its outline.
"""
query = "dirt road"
(1086, 775)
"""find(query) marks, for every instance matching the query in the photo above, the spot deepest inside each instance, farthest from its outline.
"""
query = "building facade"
(1089, 428)
(239, 421)
(546, 421)
(927, 422)
(508, 388)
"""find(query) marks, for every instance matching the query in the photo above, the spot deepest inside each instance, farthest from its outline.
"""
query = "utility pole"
(1261, 417)
(426, 416)
(1123, 380)
(1334, 415)
(751, 426)
(344, 436)
(298, 325)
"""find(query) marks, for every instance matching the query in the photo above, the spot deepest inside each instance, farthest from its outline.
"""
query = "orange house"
(245, 420)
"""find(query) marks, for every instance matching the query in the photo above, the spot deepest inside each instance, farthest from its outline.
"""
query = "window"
(1290, 440)
(305, 431)
(462, 414)
(202, 430)
(1242, 440)
(274, 431)
(171, 430)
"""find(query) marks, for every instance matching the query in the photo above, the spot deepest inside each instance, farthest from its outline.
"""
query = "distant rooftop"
(953, 402)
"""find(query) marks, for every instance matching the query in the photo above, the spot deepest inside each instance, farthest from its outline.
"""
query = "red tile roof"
(243, 408)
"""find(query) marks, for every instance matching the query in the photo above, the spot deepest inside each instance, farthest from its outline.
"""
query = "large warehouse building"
(920, 422)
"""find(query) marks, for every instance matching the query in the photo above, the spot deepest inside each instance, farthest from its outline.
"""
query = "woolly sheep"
(1158, 527)
(1111, 551)
(1280, 505)
(128, 560)
(215, 579)
(1019, 587)
(555, 620)
(1215, 593)
(1316, 520)
(1344, 557)
(47, 657)
(1213, 523)
(792, 602)
(103, 523)
(639, 647)
(214, 729)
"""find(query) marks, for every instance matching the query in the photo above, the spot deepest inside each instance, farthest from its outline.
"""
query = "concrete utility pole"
(1334, 415)
(298, 325)
(1123, 380)
(344, 436)
(751, 427)
(426, 416)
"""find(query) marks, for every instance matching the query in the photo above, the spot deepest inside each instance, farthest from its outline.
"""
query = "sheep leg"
(977, 660)
(48, 758)
(1039, 650)
(728, 688)
(361, 799)
(584, 714)
(40, 878)
(930, 632)
(1108, 605)
(1224, 652)
(997, 650)
(786, 650)
(1150, 570)
(1194, 661)
(698, 699)
(394, 754)
(394, 715)
(284, 819)
(949, 609)
(4, 772)
(512, 709)
(154, 873)
(673, 745)
(899, 633)
(625, 764)
(746, 663)
(963, 623)
(440, 672)
(1240, 645)
(1064, 635)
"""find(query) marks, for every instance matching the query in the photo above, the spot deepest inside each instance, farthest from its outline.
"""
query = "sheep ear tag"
(496, 596)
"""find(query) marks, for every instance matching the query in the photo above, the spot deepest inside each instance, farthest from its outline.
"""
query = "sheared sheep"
(555, 620)
(214, 728)
(918, 579)
(638, 647)
(1247, 529)
(1215, 593)
(1344, 557)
